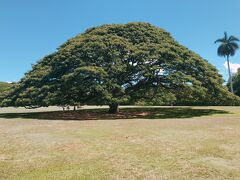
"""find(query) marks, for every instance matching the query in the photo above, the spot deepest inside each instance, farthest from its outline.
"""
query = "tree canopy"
(228, 45)
(121, 64)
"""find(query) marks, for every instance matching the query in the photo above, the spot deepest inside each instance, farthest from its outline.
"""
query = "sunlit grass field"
(138, 143)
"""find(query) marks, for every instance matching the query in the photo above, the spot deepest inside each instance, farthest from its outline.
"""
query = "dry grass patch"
(199, 147)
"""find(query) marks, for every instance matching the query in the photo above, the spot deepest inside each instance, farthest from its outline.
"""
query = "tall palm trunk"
(230, 76)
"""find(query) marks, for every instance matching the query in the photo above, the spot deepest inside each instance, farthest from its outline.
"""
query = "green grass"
(140, 143)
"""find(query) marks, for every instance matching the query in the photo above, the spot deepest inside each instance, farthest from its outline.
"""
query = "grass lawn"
(138, 143)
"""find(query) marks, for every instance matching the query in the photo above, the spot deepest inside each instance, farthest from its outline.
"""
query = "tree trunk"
(230, 76)
(113, 108)
(74, 108)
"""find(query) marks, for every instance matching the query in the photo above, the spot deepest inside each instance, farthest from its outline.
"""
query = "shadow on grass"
(125, 113)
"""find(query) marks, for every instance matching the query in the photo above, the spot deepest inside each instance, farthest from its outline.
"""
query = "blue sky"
(31, 29)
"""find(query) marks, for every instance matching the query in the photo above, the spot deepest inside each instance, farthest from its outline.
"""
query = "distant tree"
(228, 47)
(4, 86)
(236, 82)
(4, 89)
(121, 64)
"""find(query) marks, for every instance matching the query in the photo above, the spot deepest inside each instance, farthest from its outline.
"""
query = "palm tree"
(227, 48)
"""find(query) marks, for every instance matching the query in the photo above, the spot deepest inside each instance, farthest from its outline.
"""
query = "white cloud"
(233, 67)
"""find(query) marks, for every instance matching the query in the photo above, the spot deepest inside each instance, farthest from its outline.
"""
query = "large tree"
(121, 64)
(227, 47)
